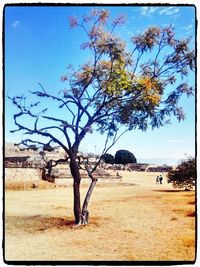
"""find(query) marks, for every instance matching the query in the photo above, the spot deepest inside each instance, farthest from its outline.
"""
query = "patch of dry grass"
(18, 185)
(28, 185)
(129, 223)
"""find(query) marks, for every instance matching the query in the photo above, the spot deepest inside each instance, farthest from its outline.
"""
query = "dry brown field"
(135, 220)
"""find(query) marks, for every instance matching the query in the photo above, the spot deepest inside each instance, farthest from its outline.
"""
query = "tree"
(124, 157)
(184, 175)
(114, 92)
(108, 158)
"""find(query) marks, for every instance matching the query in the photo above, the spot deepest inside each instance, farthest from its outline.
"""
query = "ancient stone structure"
(61, 175)
(145, 167)
(23, 162)
(22, 175)
(32, 168)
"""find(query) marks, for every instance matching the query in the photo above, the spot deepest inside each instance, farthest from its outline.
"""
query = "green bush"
(184, 175)
(108, 158)
(124, 157)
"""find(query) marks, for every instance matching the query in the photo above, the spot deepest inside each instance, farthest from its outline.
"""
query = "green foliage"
(124, 157)
(108, 158)
(184, 176)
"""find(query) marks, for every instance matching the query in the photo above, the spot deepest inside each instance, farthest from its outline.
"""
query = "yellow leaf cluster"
(150, 90)
(120, 80)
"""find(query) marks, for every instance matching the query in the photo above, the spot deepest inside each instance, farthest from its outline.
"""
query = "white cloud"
(169, 11)
(189, 27)
(148, 10)
(15, 24)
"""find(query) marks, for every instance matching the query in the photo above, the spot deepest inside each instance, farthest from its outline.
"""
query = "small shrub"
(108, 158)
(184, 176)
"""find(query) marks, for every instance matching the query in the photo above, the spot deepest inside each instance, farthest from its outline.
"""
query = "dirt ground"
(135, 220)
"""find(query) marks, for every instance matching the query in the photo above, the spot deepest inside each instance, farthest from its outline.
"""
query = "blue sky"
(39, 46)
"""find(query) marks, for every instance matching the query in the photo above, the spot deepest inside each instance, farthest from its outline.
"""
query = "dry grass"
(27, 185)
(18, 185)
(142, 221)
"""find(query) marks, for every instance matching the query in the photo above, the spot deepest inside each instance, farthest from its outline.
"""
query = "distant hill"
(159, 161)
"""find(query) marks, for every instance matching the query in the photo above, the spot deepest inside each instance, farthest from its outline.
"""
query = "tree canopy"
(116, 90)
(108, 158)
(124, 157)
(184, 175)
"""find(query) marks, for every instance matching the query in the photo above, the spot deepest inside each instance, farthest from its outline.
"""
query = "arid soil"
(135, 220)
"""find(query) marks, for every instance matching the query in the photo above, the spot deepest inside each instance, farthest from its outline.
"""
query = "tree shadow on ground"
(42, 223)
(37, 223)
(167, 190)
(191, 214)
(117, 184)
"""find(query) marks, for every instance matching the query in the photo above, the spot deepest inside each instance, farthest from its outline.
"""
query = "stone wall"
(85, 181)
(61, 175)
(22, 174)
(27, 175)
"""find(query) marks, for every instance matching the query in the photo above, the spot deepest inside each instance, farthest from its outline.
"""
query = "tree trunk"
(81, 216)
(76, 188)
(77, 202)
(85, 212)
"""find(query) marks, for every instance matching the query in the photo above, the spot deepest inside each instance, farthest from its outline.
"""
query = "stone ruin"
(141, 167)
(60, 174)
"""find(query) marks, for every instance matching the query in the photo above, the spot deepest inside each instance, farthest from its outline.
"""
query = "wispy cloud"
(148, 10)
(15, 24)
(169, 11)
(187, 29)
